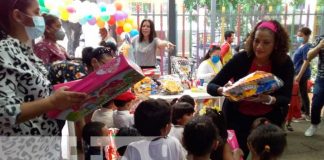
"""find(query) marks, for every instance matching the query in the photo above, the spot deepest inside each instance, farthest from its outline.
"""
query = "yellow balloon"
(129, 20)
(120, 23)
(127, 27)
(65, 15)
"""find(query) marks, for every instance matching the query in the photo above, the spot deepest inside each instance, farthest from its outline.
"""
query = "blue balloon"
(83, 20)
(133, 33)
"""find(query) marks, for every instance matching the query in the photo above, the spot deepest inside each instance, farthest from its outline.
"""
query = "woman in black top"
(266, 50)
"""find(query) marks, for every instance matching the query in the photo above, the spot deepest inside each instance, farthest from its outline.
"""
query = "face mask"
(215, 59)
(59, 35)
(38, 29)
(300, 39)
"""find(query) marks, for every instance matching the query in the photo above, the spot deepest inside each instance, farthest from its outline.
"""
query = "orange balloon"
(100, 23)
(118, 6)
(112, 20)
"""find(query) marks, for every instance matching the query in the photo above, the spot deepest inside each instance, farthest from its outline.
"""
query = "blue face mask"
(300, 39)
(215, 59)
(38, 29)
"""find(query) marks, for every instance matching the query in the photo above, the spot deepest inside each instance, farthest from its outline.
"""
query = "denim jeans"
(317, 101)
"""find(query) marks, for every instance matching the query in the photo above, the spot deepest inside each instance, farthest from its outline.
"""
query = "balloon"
(44, 9)
(124, 15)
(119, 15)
(118, 6)
(41, 3)
(83, 21)
(92, 21)
(100, 23)
(127, 27)
(133, 33)
(74, 18)
(135, 26)
(112, 20)
(65, 15)
(89, 17)
(119, 30)
(102, 8)
(120, 23)
(129, 20)
(105, 18)
(70, 9)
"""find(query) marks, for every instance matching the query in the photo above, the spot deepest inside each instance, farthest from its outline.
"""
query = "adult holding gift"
(25, 91)
(211, 64)
(266, 51)
(146, 44)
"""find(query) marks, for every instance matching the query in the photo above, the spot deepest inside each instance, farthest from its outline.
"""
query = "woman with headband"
(25, 92)
(266, 50)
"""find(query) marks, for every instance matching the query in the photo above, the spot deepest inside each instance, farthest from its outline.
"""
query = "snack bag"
(256, 83)
(171, 85)
(102, 85)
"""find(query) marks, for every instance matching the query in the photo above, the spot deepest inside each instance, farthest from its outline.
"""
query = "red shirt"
(49, 51)
(254, 108)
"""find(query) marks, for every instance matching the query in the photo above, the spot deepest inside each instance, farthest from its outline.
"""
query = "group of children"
(160, 130)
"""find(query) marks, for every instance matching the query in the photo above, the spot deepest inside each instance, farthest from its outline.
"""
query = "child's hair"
(220, 123)
(179, 110)
(259, 121)
(199, 136)
(120, 103)
(125, 131)
(268, 141)
(92, 129)
(98, 53)
(184, 98)
(151, 116)
(108, 104)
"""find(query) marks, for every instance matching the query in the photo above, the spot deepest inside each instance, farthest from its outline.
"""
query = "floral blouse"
(49, 51)
(23, 79)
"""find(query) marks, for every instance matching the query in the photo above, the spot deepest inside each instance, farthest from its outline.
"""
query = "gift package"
(102, 85)
(256, 83)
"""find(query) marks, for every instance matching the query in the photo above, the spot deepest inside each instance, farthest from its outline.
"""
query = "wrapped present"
(102, 85)
(182, 67)
(256, 83)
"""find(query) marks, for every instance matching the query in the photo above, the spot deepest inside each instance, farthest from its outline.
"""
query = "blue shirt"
(299, 56)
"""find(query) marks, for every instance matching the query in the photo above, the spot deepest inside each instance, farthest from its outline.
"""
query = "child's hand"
(238, 154)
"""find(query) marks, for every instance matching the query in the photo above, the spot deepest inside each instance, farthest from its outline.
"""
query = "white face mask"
(38, 29)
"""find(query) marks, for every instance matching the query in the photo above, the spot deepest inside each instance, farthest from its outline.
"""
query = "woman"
(47, 49)
(211, 64)
(266, 50)
(25, 91)
(300, 56)
(146, 43)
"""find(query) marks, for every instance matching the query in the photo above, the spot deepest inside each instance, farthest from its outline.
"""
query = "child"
(122, 117)
(182, 113)
(200, 138)
(130, 132)
(104, 114)
(153, 118)
(267, 142)
(92, 135)
(224, 150)
(184, 98)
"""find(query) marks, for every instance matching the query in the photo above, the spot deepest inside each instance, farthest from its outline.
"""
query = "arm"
(224, 49)
(215, 86)
(203, 71)
(315, 51)
(305, 64)
(164, 44)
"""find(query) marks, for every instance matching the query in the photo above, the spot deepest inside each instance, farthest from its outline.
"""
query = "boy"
(153, 118)
(122, 117)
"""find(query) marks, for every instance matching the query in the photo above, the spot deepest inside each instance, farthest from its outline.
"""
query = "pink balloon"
(70, 9)
(119, 15)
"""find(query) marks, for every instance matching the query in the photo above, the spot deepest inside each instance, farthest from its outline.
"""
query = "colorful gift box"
(102, 85)
(256, 83)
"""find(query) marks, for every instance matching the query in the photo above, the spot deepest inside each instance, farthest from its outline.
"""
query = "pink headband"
(269, 25)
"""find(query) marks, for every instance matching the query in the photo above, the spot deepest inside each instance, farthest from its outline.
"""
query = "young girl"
(223, 150)
(182, 113)
(267, 142)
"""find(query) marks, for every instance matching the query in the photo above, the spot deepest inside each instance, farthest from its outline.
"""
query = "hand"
(170, 45)
(321, 44)
(63, 99)
(297, 78)
(262, 98)
(238, 154)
